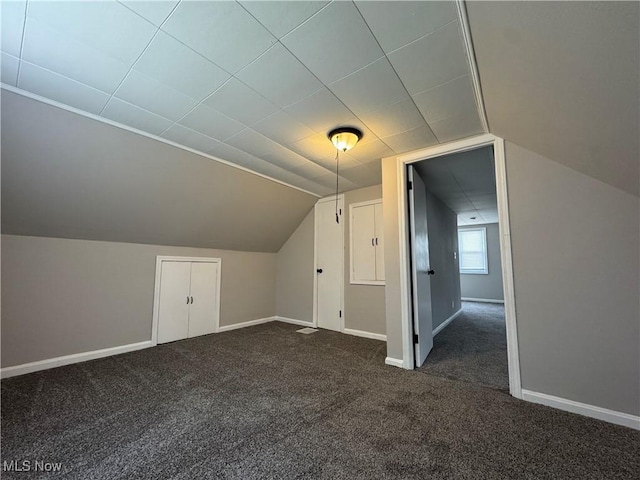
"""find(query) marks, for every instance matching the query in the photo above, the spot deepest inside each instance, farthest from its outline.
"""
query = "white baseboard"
(394, 362)
(611, 416)
(441, 327)
(250, 323)
(482, 300)
(293, 321)
(361, 333)
(69, 359)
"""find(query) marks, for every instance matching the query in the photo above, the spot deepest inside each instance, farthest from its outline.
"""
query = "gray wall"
(488, 287)
(443, 242)
(67, 176)
(575, 243)
(363, 304)
(295, 271)
(61, 296)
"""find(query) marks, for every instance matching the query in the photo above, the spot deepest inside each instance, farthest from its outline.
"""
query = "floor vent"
(307, 330)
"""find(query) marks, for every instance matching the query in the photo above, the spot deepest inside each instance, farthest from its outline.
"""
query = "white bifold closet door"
(188, 304)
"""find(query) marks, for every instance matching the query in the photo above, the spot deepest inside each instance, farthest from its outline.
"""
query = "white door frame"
(156, 290)
(332, 198)
(472, 143)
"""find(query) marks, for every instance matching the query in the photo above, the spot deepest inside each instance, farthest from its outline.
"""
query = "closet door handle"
(376, 240)
(191, 300)
(372, 244)
(187, 300)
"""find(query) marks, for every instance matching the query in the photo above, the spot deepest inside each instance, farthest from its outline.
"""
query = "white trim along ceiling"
(256, 84)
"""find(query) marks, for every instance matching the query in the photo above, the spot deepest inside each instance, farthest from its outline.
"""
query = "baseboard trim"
(250, 323)
(362, 333)
(611, 416)
(292, 321)
(482, 300)
(394, 362)
(442, 326)
(31, 367)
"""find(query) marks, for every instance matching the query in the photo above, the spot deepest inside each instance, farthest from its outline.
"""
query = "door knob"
(319, 270)
(430, 272)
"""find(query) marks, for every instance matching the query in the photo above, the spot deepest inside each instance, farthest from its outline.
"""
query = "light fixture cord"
(337, 216)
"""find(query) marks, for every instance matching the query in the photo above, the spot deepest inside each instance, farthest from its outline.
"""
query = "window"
(472, 246)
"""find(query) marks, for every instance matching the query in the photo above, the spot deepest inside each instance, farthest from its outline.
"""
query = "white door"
(173, 313)
(329, 264)
(203, 309)
(363, 247)
(379, 242)
(420, 269)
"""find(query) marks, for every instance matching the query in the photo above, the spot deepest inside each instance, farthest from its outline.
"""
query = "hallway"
(473, 348)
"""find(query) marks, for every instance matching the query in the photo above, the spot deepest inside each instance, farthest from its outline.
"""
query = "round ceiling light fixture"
(345, 138)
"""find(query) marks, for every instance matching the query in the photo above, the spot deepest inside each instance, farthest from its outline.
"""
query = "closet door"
(363, 248)
(379, 242)
(204, 304)
(173, 312)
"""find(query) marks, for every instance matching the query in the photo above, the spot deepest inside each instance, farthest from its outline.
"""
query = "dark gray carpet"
(266, 402)
(472, 348)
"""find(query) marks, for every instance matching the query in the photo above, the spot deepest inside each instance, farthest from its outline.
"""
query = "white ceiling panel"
(59, 53)
(210, 27)
(211, 123)
(334, 43)
(394, 119)
(285, 158)
(283, 128)
(457, 127)
(411, 140)
(240, 102)
(9, 69)
(61, 89)
(152, 95)
(12, 22)
(370, 152)
(320, 111)
(314, 147)
(450, 99)
(345, 161)
(190, 138)
(179, 67)
(123, 112)
(364, 175)
(396, 24)
(156, 11)
(310, 170)
(370, 88)
(329, 181)
(107, 27)
(280, 17)
(280, 77)
(432, 60)
(252, 142)
(232, 154)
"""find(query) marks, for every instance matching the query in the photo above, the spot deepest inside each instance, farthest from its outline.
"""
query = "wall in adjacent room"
(61, 296)
(489, 286)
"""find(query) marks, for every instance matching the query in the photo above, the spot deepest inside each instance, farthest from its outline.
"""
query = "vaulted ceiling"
(255, 83)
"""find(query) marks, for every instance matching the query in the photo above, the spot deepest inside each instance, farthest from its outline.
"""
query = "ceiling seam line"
(24, 30)
(398, 76)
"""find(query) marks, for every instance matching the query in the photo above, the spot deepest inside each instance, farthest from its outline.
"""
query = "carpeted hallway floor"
(267, 402)
(472, 348)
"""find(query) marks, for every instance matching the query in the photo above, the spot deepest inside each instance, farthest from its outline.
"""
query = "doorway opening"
(456, 235)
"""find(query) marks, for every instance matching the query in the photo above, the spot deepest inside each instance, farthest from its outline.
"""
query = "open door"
(420, 267)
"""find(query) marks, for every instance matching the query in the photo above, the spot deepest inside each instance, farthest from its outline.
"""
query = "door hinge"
(340, 313)
(415, 338)
(410, 185)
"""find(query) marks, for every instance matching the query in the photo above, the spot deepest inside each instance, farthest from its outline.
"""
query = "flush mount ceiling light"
(345, 138)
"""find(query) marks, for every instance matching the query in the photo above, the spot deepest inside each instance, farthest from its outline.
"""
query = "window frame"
(474, 271)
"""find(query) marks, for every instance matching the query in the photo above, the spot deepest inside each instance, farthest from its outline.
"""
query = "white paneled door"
(420, 267)
(329, 263)
(188, 298)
